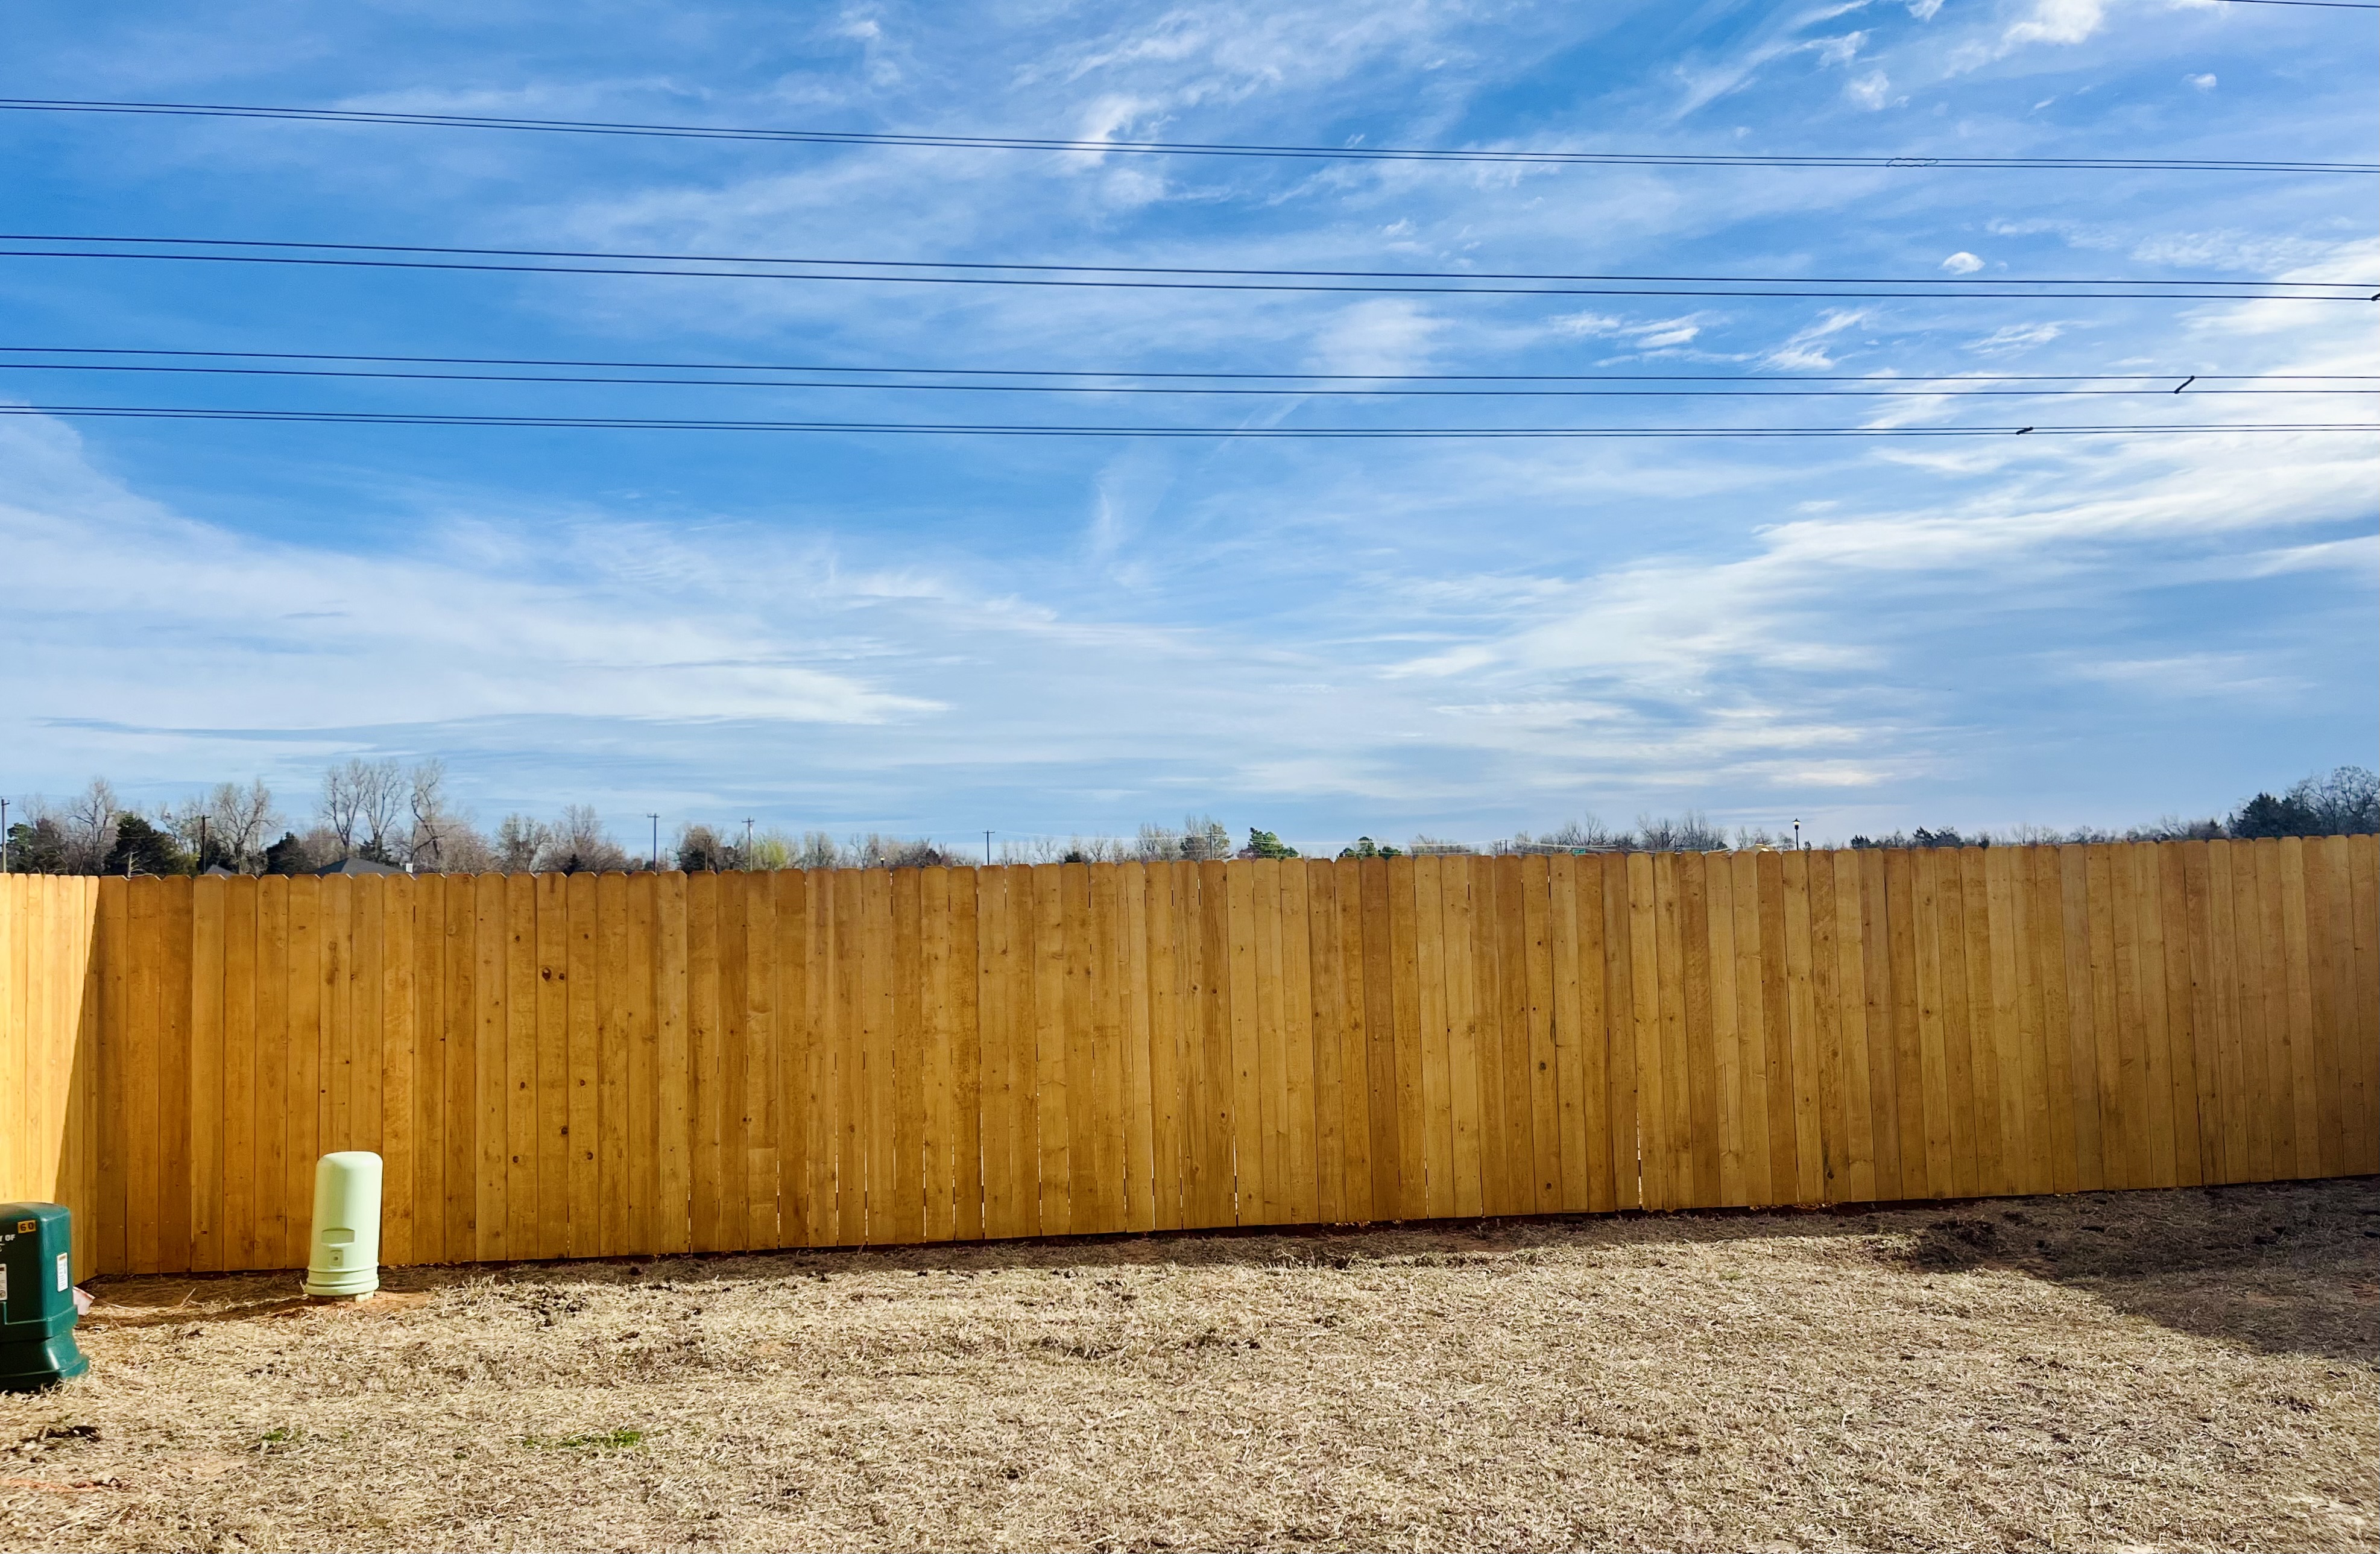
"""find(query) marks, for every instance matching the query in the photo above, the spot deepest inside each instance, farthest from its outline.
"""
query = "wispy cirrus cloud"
(1403, 630)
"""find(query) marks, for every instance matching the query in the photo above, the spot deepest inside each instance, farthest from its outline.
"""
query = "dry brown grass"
(2164, 1369)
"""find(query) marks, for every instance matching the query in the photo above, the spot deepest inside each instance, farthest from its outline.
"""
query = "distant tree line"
(377, 815)
(2344, 802)
(384, 816)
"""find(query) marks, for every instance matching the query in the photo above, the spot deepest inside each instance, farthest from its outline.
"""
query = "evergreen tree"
(288, 856)
(40, 847)
(2266, 816)
(1265, 844)
(142, 848)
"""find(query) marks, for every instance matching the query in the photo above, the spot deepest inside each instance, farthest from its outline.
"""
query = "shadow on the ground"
(2281, 1268)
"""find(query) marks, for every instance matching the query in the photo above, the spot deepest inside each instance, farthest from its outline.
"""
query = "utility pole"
(987, 849)
(4, 836)
(654, 815)
(747, 841)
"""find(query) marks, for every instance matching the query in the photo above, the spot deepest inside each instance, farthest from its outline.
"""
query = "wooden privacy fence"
(572, 1066)
(48, 1040)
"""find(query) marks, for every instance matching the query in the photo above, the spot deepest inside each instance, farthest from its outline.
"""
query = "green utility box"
(37, 1304)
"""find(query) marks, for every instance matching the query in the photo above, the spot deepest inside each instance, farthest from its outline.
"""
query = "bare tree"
(1156, 844)
(518, 842)
(1587, 835)
(1205, 838)
(580, 845)
(91, 818)
(1423, 846)
(226, 822)
(2344, 803)
(1690, 833)
(343, 802)
(438, 828)
(245, 817)
(382, 800)
(918, 854)
(360, 803)
(463, 848)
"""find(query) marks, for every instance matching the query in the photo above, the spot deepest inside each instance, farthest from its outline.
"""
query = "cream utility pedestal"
(344, 1262)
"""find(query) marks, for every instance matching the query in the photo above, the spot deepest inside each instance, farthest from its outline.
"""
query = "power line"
(1953, 282)
(620, 423)
(1146, 277)
(1184, 148)
(2148, 377)
(1878, 389)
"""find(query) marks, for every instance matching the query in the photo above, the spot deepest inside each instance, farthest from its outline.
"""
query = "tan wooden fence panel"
(50, 982)
(585, 1066)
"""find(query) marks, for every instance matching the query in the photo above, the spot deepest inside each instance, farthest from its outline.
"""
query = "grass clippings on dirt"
(2169, 1369)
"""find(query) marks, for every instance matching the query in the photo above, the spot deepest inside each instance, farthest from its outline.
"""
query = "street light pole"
(654, 815)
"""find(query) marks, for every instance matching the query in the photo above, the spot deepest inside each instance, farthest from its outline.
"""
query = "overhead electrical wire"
(621, 423)
(1164, 278)
(1181, 148)
(1954, 283)
(1900, 388)
(2151, 377)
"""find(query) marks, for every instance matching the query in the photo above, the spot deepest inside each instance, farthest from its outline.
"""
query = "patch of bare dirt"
(2174, 1369)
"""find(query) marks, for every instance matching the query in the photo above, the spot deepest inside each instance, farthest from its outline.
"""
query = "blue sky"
(935, 634)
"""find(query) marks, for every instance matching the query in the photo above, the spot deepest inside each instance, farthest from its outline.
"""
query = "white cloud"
(2360, 556)
(1126, 495)
(1106, 116)
(1705, 83)
(478, 623)
(2192, 677)
(1784, 603)
(1386, 334)
(2058, 21)
(1838, 51)
(2016, 337)
(1644, 334)
(1963, 264)
(1871, 91)
(1228, 52)
(1803, 352)
(1131, 187)
(2204, 83)
(877, 53)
